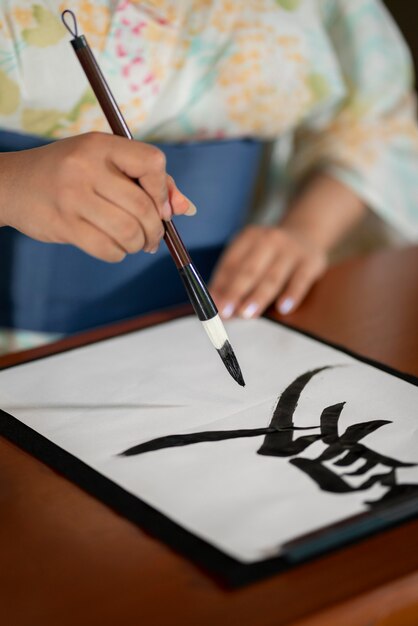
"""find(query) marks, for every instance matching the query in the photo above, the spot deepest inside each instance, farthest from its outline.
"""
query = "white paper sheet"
(98, 401)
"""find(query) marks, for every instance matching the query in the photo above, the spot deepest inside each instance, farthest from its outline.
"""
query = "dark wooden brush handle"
(119, 126)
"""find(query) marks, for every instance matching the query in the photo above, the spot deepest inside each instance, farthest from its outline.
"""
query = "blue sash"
(58, 288)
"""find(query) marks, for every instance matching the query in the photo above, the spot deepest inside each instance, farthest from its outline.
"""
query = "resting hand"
(81, 191)
(266, 265)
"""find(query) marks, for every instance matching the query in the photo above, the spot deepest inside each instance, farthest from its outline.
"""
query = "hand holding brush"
(196, 289)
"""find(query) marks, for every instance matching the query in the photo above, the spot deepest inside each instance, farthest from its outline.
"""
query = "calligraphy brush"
(197, 291)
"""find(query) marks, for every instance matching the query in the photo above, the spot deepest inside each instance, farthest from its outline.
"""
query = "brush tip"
(231, 363)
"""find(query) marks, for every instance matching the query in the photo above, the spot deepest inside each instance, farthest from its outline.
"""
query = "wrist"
(324, 212)
(294, 225)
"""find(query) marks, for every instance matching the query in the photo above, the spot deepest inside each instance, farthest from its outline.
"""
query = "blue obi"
(58, 288)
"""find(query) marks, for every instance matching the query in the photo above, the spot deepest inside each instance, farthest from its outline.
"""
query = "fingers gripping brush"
(197, 291)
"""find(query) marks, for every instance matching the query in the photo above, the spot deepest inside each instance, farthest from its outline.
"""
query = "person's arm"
(361, 153)
(280, 264)
(81, 191)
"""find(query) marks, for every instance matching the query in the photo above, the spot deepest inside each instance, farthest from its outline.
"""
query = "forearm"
(324, 212)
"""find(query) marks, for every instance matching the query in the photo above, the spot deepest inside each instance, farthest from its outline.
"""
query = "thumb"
(179, 203)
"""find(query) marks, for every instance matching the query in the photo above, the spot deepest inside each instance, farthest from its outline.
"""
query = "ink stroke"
(279, 441)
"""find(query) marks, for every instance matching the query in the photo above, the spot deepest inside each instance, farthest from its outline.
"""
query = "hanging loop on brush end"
(196, 289)
(69, 15)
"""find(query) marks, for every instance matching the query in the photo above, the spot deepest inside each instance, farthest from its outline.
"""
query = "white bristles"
(216, 331)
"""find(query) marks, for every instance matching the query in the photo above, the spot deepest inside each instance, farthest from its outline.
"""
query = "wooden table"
(66, 559)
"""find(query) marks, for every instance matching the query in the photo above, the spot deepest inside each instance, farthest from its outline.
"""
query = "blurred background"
(405, 13)
(373, 234)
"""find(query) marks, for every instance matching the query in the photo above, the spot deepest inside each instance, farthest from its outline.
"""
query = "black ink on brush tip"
(230, 361)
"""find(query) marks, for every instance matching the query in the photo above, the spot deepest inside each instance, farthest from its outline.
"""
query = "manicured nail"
(249, 311)
(192, 210)
(286, 306)
(167, 212)
(154, 250)
(227, 311)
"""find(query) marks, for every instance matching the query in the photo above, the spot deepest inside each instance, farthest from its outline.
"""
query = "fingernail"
(227, 311)
(167, 212)
(192, 210)
(154, 250)
(286, 306)
(249, 311)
